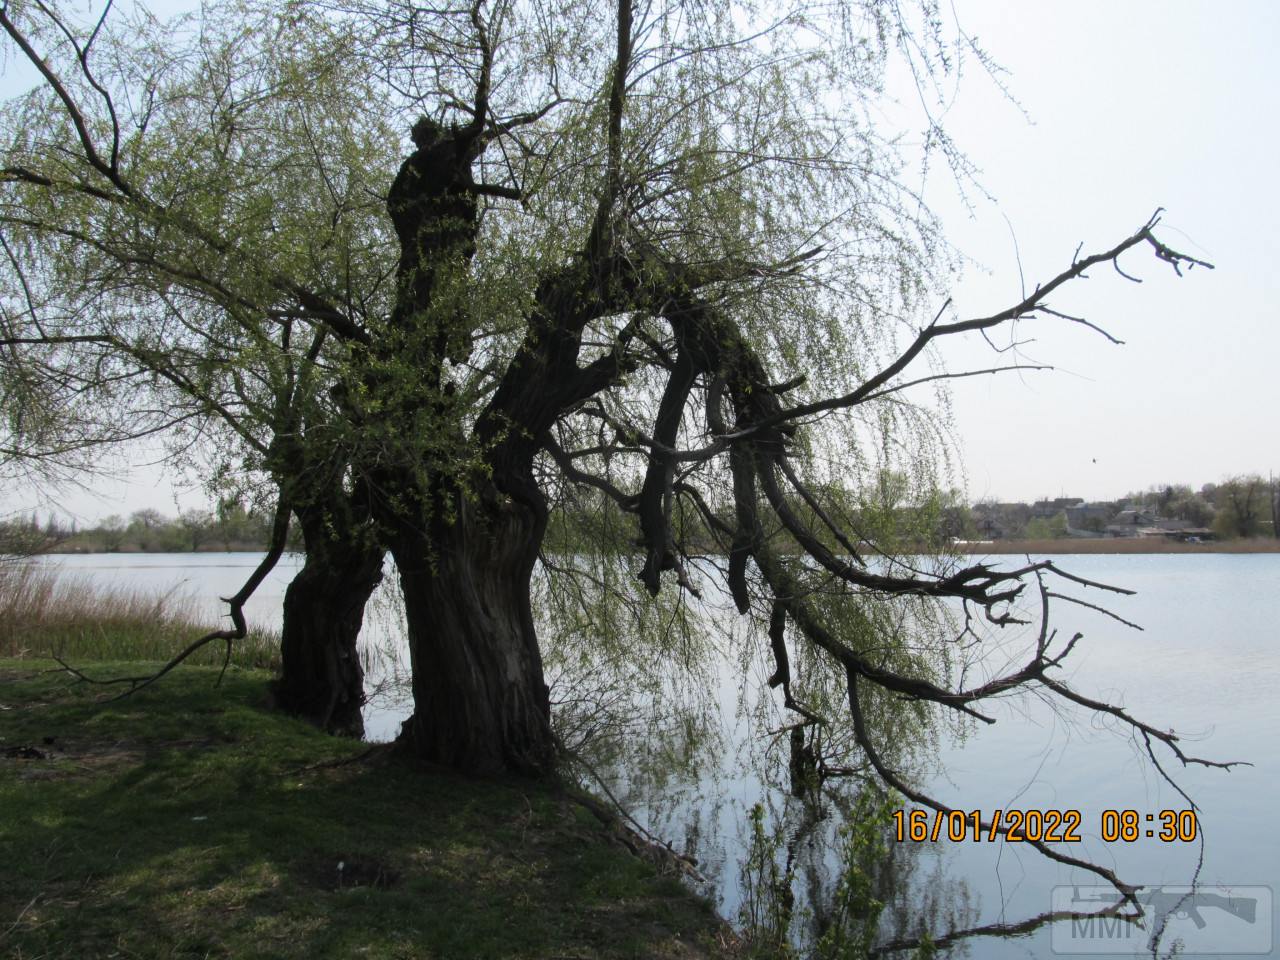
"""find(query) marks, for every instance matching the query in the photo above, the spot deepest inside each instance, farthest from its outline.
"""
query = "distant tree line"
(230, 525)
(892, 508)
(1240, 507)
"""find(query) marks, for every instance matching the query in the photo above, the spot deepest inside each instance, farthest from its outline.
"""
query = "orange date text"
(1046, 826)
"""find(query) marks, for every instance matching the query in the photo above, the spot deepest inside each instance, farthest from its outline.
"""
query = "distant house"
(1133, 517)
(1089, 519)
(998, 521)
(1048, 509)
(995, 521)
(1133, 522)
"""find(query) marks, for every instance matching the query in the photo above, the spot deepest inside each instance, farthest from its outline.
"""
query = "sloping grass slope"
(187, 821)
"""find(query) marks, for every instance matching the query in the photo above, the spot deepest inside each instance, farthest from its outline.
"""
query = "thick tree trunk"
(480, 701)
(464, 558)
(321, 677)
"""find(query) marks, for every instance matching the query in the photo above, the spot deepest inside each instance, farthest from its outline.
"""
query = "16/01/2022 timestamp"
(1048, 826)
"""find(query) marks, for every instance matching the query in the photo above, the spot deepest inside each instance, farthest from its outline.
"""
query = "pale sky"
(1135, 105)
(1132, 106)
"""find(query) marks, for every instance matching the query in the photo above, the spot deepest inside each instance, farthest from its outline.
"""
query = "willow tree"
(662, 256)
(164, 189)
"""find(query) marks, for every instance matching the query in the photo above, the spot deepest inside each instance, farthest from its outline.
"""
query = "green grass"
(43, 614)
(186, 821)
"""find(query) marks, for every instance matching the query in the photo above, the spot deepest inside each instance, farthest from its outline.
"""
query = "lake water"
(1207, 665)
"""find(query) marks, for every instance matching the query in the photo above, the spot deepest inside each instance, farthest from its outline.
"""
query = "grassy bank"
(45, 613)
(1116, 545)
(189, 822)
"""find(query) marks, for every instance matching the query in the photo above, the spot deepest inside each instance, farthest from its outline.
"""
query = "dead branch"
(279, 536)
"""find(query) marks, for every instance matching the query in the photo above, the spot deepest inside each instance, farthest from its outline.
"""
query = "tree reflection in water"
(786, 820)
(688, 739)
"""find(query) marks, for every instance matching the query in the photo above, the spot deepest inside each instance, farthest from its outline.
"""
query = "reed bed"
(45, 613)
(1117, 545)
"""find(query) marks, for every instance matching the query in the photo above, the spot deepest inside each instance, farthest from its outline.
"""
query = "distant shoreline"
(968, 547)
(1115, 545)
(90, 547)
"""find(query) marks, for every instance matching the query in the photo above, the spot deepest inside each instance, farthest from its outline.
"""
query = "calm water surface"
(1207, 664)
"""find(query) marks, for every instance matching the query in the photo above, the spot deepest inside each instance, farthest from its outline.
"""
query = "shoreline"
(1067, 545)
(1114, 545)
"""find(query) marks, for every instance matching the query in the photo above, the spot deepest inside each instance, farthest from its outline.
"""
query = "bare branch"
(279, 535)
(1030, 305)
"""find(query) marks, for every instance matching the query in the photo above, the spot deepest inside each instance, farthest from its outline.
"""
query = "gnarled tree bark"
(480, 702)
(321, 678)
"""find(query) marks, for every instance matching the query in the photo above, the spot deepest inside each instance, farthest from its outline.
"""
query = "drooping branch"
(1030, 305)
(1033, 673)
(756, 456)
(784, 464)
(564, 461)
(656, 493)
(109, 169)
(1124, 909)
(889, 776)
(1167, 737)
(239, 628)
(161, 364)
(730, 368)
(974, 583)
(124, 193)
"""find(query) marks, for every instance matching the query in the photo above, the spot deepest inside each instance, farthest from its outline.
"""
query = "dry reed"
(44, 613)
